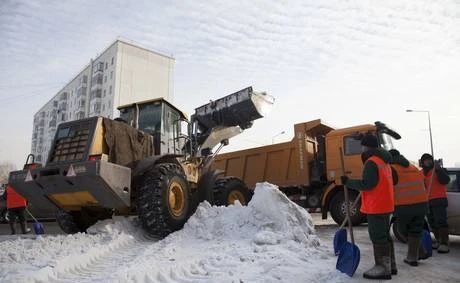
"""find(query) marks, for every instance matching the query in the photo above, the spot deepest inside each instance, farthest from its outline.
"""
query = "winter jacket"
(377, 183)
(411, 198)
(13, 199)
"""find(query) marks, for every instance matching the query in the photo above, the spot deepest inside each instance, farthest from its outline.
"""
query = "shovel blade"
(427, 243)
(348, 260)
(38, 228)
(340, 238)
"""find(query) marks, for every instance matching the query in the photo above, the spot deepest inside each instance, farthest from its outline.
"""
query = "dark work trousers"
(17, 212)
(437, 216)
(411, 225)
(379, 228)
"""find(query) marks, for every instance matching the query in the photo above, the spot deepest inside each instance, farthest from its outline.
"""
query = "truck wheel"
(338, 209)
(163, 199)
(67, 221)
(230, 189)
(397, 232)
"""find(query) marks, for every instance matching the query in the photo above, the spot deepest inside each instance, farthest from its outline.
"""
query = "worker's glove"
(344, 179)
(437, 165)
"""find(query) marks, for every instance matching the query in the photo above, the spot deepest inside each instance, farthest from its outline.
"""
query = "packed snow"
(270, 240)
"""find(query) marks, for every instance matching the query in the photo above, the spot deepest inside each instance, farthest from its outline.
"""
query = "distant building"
(124, 73)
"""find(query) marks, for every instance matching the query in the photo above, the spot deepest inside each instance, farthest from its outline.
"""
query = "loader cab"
(158, 118)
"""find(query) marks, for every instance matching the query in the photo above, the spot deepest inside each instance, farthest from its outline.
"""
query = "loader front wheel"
(163, 199)
(230, 189)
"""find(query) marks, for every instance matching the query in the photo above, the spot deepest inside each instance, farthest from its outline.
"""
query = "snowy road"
(271, 240)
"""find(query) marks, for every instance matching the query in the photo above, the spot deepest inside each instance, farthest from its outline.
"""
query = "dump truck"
(152, 161)
(308, 168)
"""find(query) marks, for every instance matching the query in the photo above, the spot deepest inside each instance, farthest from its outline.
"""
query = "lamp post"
(279, 134)
(429, 127)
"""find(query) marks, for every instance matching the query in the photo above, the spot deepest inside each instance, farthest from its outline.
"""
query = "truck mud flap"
(71, 187)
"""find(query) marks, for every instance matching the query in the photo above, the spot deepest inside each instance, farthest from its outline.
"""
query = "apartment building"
(123, 73)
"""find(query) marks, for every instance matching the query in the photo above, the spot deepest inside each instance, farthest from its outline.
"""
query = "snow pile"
(270, 240)
(269, 218)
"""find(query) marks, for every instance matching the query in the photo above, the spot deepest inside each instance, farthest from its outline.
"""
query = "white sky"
(346, 62)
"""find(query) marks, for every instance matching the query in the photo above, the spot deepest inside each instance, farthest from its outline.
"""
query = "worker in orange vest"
(16, 206)
(411, 205)
(437, 195)
(377, 203)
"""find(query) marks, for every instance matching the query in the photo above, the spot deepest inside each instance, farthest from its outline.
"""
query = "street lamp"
(429, 127)
(279, 134)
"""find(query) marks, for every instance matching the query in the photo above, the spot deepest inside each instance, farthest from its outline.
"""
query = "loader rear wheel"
(230, 189)
(69, 222)
(338, 209)
(78, 221)
(163, 199)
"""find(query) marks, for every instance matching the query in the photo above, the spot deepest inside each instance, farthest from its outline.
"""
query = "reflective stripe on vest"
(438, 190)
(411, 186)
(13, 199)
(380, 199)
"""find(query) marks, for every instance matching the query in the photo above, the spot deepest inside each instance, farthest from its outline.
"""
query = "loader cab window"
(150, 117)
(127, 114)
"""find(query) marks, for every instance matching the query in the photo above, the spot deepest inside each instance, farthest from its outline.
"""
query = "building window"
(105, 78)
(110, 89)
(106, 65)
(111, 74)
(112, 61)
(70, 115)
(103, 94)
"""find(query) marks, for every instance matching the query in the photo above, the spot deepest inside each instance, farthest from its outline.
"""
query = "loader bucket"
(237, 109)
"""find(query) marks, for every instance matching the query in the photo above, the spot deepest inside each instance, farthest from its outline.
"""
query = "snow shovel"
(349, 254)
(38, 227)
(427, 243)
(340, 237)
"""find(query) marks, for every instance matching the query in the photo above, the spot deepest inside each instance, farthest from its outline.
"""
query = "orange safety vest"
(380, 199)
(13, 199)
(411, 186)
(438, 190)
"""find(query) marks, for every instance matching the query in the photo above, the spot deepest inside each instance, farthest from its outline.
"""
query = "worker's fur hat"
(370, 140)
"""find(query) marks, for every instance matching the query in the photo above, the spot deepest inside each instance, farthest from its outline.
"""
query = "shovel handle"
(347, 201)
(352, 205)
(31, 215)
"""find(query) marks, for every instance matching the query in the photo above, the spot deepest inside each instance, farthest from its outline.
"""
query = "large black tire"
(338, 208)
(69, 222)
(230, 189)
(163, 199)
(78, 221)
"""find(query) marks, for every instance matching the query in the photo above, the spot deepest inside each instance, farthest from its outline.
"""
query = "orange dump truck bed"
(287, 164)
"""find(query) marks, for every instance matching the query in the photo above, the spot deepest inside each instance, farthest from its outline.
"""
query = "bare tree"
(5, 169)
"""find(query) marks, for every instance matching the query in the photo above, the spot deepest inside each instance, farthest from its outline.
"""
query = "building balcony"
(98, 67)
(96, 80)
(63, 96)
(81, 91)
(52, 123)
(96, 93)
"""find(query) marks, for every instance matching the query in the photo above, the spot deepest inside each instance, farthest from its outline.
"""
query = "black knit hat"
(426, 156)
(370, 140)
(394, 152)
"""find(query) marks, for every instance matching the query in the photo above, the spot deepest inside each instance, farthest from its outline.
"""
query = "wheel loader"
(152, 161)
